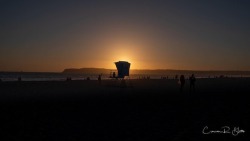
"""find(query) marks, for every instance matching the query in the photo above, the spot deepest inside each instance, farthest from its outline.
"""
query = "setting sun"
(123, 52)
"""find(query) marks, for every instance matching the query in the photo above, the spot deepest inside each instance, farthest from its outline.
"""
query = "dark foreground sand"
(145, 110)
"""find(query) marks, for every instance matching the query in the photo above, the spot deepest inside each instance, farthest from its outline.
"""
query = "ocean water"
(48, 76)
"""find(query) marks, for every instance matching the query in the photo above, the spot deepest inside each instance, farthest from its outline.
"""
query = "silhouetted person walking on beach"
(19, 78)
(176, 77)
(182, 82)
(192, 80)
(100, 79)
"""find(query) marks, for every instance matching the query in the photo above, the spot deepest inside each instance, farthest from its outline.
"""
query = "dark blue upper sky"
(51, 36)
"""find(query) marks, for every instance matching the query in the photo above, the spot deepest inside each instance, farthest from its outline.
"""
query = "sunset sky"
(151, 34)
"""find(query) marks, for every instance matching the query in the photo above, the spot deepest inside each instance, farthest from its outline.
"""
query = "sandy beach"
(144, 110)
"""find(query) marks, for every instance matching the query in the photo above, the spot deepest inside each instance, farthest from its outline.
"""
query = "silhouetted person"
(176, 77)
(192, 80)
(113, 74)
(100, 79)
(182, 82)
(68, 79)
(19, 78)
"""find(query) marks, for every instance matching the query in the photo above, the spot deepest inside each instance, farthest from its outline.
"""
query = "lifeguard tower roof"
(122, 68)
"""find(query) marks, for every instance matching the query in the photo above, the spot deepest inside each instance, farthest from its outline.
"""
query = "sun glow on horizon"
(123, 52)
(127, 59)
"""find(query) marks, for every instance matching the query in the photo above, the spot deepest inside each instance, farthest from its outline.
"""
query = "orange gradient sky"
(41, 36)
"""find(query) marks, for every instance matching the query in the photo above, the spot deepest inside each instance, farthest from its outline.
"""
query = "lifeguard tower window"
(123, 68)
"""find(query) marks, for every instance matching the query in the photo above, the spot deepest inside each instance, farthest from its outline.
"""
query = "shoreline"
(80, 88)
(108, 78)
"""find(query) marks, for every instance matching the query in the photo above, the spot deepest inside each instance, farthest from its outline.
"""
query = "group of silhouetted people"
(68, 79)
(113, 75)
(144, 77)
(164, 77)
(192, 80)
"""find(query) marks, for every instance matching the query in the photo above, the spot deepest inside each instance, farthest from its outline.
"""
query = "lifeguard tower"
(123, 68)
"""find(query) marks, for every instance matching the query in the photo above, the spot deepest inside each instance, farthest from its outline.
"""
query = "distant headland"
(87, 70)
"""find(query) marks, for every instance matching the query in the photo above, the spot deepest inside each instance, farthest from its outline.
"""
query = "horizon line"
(130, 70)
